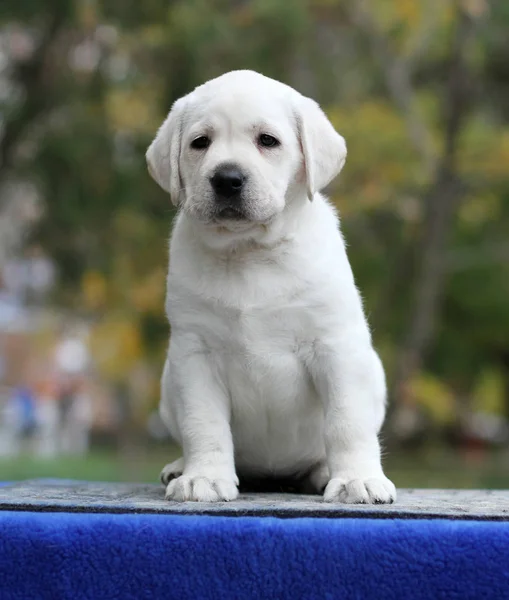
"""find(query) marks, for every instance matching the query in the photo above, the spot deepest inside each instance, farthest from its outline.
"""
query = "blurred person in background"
(18, 422)
(74, 407)
(46, 442)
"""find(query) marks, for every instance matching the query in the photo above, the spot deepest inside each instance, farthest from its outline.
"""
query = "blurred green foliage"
(87, 98)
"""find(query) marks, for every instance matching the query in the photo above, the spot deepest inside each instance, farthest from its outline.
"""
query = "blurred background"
(420, 91)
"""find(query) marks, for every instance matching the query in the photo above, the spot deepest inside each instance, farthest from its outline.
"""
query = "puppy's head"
(237, 149)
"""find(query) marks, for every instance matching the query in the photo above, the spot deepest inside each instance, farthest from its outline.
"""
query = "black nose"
(227, 181)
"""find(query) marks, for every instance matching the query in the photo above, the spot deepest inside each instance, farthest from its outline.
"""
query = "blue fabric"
(104, 556)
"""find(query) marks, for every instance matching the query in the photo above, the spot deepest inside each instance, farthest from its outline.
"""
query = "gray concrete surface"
(77, 496)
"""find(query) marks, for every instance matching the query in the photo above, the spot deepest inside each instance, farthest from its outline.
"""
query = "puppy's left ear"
(163, 154)
(324, 150)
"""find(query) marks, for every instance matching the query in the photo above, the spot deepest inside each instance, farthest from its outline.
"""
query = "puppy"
(270, 371)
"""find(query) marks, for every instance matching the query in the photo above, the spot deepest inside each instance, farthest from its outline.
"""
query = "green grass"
(142, 466)
(434, 468)
(441, 468)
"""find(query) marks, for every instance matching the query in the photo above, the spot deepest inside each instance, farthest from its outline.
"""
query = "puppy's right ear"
(163, 154)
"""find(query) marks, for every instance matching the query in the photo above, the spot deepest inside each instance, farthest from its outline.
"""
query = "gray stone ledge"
(46, 495)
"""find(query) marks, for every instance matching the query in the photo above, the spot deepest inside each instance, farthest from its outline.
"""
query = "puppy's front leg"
(201, 409)
(351, 383)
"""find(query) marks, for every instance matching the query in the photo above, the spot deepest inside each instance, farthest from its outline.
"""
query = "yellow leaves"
(375, 132)
(483, 156)
(152, 35)
(485, 150)
(478, 209)
(408, 11)
(431, 393)
(326, 3)
(133, 225)
(94, 290)
(136, 281)
(435, 396)
(148, 294)
(488, 396)
(380, 157)
(115, 344)
(133, 109)
(412, 26)
(87, 13)
(139, 294)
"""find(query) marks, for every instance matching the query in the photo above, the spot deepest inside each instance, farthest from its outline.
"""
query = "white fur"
(270, 369)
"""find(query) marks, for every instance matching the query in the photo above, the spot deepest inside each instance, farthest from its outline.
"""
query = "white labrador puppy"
(270, 370)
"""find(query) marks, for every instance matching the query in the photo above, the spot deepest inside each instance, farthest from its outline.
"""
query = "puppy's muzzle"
(228, 182)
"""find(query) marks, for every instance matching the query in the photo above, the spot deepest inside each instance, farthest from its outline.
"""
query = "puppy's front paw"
(201, 489)
(375, 490)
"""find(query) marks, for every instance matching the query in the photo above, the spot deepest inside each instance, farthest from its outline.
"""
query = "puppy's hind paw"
(172, 471)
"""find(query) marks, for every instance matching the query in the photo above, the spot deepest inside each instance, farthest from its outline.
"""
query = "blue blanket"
(54, 555)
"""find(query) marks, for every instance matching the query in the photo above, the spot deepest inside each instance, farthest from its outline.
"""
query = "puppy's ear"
(163, 154)
(324, 150)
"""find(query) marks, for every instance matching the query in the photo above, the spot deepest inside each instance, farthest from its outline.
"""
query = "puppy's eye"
(200, 143)
(268, 141)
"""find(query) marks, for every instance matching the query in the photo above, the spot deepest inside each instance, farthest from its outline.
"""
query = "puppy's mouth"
(230, 213)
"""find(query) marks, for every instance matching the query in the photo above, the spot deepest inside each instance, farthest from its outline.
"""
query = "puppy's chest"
(246, 310)
(265, 331)
(262, 354)
(263, 360)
